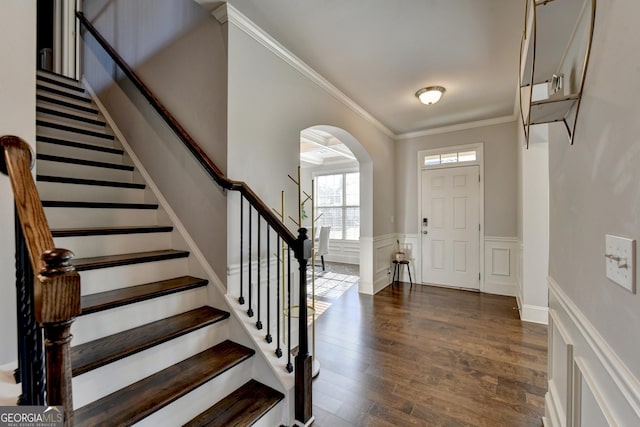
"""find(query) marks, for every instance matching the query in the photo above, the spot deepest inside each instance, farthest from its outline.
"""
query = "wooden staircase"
(147, 348)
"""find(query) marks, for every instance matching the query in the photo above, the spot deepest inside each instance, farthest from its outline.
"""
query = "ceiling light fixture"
(430, 94)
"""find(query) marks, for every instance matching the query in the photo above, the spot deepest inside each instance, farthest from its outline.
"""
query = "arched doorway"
(333, 152)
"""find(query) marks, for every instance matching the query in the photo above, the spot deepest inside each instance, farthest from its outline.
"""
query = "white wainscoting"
(383, 248)
(519, 288)
(589, 386)
(345, 251)
(408, 245)
(500, 265)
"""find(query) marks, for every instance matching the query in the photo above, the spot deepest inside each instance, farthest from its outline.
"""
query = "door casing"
(479, 148)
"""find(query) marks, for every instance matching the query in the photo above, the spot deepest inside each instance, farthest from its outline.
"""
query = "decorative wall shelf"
(554, 56)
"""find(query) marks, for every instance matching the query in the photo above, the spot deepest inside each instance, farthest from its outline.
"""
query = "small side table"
(397, 265)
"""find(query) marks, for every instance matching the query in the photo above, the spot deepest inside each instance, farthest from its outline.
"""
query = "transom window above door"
(452, 157)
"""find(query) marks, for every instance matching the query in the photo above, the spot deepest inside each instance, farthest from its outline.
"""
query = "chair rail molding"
(588, 383)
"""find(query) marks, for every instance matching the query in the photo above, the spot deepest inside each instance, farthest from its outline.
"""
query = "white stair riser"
(58, 78)
(92, 246)
(79, 153)
(89, 193)
(109, 378)
(199, 400)
(65, 99)
(74, 136)
(62, 89)
(275, 416)
(104, 323)
(54, 118)
(70, 110)
(70, 170)
(63, 121)
(87, 217)
(108, 279)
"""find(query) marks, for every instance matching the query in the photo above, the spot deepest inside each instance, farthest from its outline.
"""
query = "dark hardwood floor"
(428, 357)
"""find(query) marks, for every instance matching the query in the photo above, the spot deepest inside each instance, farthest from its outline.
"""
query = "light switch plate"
(620, 259)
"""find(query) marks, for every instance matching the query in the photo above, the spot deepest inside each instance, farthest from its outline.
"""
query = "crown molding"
(220, 13)
(225, 13)
(458, 127)
(228, 13)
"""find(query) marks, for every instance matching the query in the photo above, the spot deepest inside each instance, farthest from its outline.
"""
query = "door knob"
(425, 232)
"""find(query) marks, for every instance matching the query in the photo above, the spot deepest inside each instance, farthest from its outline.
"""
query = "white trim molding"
(344, 251)
(534, 314)
(243, 23)
(603, 391)
(226, 13)
(457, 127)
(383, 247)
(479, 148)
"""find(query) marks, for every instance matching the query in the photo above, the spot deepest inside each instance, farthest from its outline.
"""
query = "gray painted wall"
(269, 104)
(500, 176)
(595, 184)
(17, 117)
(179, 50)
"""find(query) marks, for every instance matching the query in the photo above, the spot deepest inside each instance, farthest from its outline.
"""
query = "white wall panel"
(589, 385)
(500, 265)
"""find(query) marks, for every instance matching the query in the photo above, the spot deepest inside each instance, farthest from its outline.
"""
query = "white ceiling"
(380, 52)
(321, 149)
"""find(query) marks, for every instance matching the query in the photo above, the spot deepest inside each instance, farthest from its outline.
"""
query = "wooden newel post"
(303, 361)
(57, 303)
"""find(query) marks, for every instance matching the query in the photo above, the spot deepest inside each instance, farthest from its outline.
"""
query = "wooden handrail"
(56, 285)
(204, 160)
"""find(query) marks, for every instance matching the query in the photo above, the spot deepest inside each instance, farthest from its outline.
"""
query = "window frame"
(344, 207)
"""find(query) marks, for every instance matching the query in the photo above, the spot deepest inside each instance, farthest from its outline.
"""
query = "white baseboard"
(534, 314)
(507, 289)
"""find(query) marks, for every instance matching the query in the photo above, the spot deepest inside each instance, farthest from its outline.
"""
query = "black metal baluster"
(30, 342)
(241, 299)
(278, 308)
(289, 365)
(259, 321)
(250, 309)
(268, 336)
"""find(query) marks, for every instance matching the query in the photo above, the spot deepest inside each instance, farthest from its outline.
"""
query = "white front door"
(450, 227)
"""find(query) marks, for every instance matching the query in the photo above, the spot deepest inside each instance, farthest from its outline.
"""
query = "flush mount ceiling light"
(430, 95)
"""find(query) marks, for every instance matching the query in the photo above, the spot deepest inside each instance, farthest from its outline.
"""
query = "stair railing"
(300, 245)
(48, 290)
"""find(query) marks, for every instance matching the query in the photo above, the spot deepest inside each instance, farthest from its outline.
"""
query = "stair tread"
(80, 145)
(104, 231)
(68, 82)
(83, 162)
(81, 181)
(119, 297)
(243, 407)
(135, 402)
(45, 98)
(63, 93)
(94, 354)
(74, 129)
(92, 263)
(94, 205)
(70, 116)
